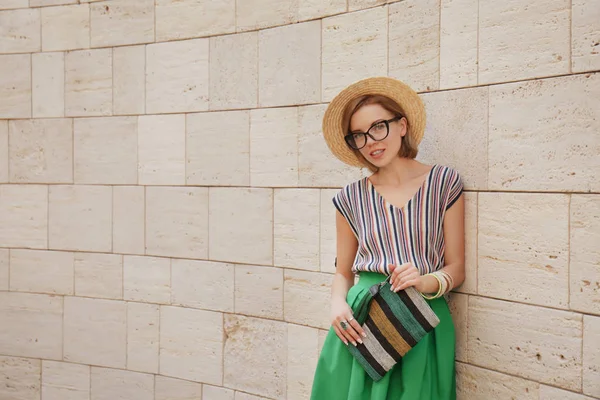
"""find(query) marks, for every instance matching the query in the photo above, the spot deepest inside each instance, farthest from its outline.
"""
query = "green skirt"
(425, 373)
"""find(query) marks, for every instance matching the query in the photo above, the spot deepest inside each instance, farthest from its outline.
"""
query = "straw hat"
(408, 100)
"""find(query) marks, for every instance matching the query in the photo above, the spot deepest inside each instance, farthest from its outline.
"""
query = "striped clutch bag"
(394, 324)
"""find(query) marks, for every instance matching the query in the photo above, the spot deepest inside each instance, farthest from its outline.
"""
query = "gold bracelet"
(439, 292)
(449, 279)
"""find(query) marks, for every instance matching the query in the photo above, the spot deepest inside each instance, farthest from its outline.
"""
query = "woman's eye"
(378, 127)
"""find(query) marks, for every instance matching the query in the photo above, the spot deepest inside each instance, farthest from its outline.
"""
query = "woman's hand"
(405, 275)
(341, 316)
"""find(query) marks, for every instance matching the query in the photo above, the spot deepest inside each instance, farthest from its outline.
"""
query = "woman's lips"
(377, 153)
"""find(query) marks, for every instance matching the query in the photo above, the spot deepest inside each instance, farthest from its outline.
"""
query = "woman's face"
(370, 118)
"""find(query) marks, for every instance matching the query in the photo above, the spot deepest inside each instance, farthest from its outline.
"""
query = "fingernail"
(346, 343)
(360, 341)
(354, 343)
(392, 288)
(364, 334)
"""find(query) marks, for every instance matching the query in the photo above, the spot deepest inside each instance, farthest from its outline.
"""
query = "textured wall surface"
(166, 226)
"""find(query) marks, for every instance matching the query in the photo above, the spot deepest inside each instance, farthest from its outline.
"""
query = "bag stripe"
(366, 358)
(398, 337)
(382, 340)
(424, 307)
(402, 313)
(414, 310)
(377, 351)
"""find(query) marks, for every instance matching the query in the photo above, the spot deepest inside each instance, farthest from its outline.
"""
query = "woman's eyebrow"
(374, 123)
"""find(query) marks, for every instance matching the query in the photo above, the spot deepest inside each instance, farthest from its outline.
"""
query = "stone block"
(22, 314)
(591, 355)
(48, 82)
(99, 275)
(161, 149)
(260, 14)
(122, 22)
(177, 76)
(202, 284)
(218, 148)
(177, 389)
(41, 150)
(235, 233)
(552, 393)
(20, 378)
(128, 219)
(80, 218)
(473, 382)
(216, 393)
(4, 158)
(255, 355)
(328, 231)
(129, 80)
(459, 307)
(24, 216)
(259, 291)
(147, 279)
(585, 36)
(15, 86)
(112, 384)
(142, 337)
(20, 31)
(302, 357)
(526, 265)
(177, 222)
(88, 83)
(4, 269)
(313, 9)
(191, 344)
(185, 19)
(307, 298)
(65, 381)
(95, 332)
(41, 271)
(66, 27)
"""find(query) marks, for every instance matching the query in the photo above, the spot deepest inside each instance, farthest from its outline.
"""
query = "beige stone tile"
(218, 148)
(112, 384)
(274, 147)
(99, 275)
(142, 337)
(591, 355)
(255, 355)
(529, 265)
(322, 336)
(327, 231)
(414, 43)
(365, 38)
(202, 284)
(95, 332)
(458, 135)
(584, 269)
(254, 15)
(24, 216)
(20, 31)
(22, 314)
(147, 279)
(48, 81)
(41, 271)
(106, 150)
(176, 389)
(12, 4)
(121, 22)
(253, 279)
(234, 80)
(191, 344)
(354, 5)
(128, 219)
(15, 86)
(177, 76)
(20, 378)
(129, 80)
(246, 396)
(80, 218)
(478, 384)
(585, 35)
(520, 41)
(541, 344)
(296, 227)
(459, 307)
(236, 234)
(4, 159)
(66, 27)
(556, 119)
(185, 19)
(41, 150)
(44, 3)
(65, 381)
(88, 83)
(458, 43)
(302, 356)
(307, 297)
(471, 233)
(177, 222)
(4, 269)
(281, 67)
(216, 393)
(317, 167)
(161, 149)
(552, 393)
(312, 9)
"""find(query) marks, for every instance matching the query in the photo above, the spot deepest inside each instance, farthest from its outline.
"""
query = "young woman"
(405, 221)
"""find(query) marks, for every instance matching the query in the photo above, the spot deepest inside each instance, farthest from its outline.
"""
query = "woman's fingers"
(352, 336)
(357, 328)
(338, 331)
(408, 283)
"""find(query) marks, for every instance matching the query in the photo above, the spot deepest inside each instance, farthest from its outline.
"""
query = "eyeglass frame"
(387, 125)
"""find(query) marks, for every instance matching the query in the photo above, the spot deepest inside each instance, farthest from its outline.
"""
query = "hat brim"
(408, 100)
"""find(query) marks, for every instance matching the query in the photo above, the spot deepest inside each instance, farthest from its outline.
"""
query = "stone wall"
(166, 228)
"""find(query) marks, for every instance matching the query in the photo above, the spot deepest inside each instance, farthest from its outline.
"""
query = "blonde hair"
(408, 149)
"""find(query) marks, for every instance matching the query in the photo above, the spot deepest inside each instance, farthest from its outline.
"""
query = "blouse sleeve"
(454, 187)
(342, 201)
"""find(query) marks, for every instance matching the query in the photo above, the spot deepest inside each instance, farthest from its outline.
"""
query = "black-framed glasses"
(378, 131)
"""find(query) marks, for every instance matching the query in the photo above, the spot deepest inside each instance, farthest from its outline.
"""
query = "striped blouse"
(388, 234)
